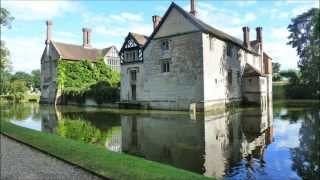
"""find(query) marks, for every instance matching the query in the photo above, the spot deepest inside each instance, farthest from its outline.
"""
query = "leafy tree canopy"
(5, 21)
(276, 67)
(304, 36)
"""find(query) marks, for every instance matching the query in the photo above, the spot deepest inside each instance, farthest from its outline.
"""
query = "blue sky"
(112, 20)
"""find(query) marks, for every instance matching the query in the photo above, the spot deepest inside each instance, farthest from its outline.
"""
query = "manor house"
(187, 64)
(57, 51)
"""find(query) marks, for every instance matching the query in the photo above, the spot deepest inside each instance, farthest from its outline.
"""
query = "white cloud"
(279, 33)
(121, 24)
(282, 53)
(125, 17)
(121, 18)
(299, 10)
(286, 134)
(39, 10)
(122, 31)
(246, 2)
(250, 17)
(25, 52)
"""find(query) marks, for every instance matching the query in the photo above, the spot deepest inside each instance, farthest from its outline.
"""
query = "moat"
(255, 143)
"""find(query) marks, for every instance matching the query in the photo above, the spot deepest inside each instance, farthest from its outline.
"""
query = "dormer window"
(165, 45)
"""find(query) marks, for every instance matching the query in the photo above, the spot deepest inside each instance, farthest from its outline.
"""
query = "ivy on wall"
(78, 80)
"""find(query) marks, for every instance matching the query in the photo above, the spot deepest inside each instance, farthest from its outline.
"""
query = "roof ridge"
(70, 44)
(204, 27)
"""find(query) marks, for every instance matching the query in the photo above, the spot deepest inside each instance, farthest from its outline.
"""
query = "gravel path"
(19, 161)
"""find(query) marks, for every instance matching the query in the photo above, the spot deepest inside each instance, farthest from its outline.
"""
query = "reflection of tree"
(81, 130)
(16, 111)
(306, 157)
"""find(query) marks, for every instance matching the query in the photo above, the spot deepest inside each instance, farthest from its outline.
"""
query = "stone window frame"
(133, 75)
(165, 66)
(165, 45)
(229, 50)
(238, 77)
(229, 76)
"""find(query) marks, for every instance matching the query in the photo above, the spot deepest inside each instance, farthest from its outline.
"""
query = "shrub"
(77, 81)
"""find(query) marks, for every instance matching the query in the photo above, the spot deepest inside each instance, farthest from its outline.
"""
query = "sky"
(111, 21)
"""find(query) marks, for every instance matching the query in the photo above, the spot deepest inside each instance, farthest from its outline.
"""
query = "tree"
(4, 56)
(275, 72)
(18, 88)
(5, 21)
(35, 77)
(304, 36)
(4, 81)
(20, 75)
(5, 18)
(276, 67)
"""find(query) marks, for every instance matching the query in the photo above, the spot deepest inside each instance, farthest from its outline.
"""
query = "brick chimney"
(49, 31)
(193, 7)
(156, 20)
(259, 34)
(246, 38)
(86, 37)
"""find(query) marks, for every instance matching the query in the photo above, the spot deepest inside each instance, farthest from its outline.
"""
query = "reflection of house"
(209, 145)
(57, 51)
(162, 139)
(187, 63)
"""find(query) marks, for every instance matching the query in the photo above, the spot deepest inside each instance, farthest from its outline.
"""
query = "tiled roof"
(78, 52)
(140, 38)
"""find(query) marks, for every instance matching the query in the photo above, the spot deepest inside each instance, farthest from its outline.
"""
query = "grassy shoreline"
(95, 159)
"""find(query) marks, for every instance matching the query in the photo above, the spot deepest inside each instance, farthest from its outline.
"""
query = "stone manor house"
(187, 64)
(57, 51)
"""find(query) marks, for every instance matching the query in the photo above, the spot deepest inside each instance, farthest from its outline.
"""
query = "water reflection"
(236, 145)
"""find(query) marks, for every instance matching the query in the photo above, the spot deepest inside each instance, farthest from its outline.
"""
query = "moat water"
(271, 142)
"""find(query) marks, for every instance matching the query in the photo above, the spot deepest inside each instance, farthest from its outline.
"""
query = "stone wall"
(181, 86)
(125, 90)
(49, 75)
(218, 66)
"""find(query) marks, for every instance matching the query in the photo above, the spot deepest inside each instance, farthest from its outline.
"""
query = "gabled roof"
(202, 26)
(78, 52)
(139, 39)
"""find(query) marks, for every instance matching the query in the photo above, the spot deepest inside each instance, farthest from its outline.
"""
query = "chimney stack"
(49, 31)
(246, 38)
(156, 20)
(259, 34)
(86, 37)
(193, 7)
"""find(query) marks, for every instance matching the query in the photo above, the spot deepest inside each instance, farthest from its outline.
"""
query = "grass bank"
(96, 159)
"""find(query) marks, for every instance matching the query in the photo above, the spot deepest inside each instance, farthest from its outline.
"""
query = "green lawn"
(97, 159)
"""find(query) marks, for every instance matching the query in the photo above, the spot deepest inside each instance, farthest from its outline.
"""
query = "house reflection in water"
(212, 145)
